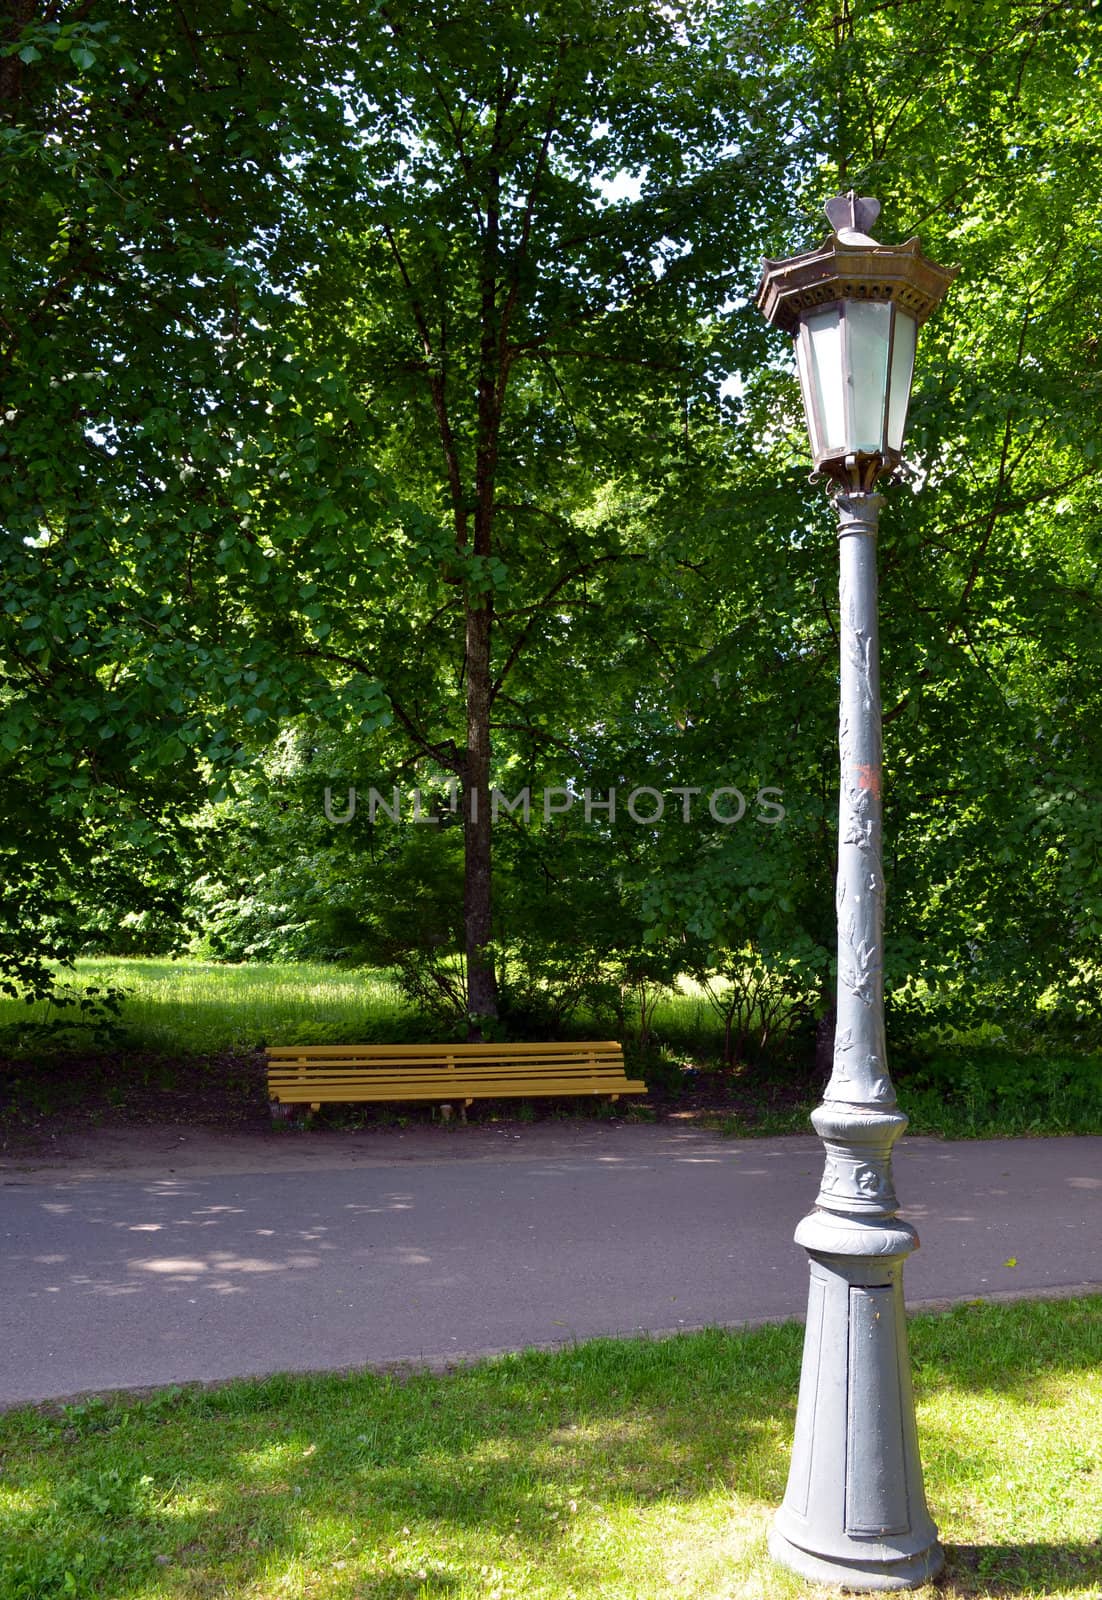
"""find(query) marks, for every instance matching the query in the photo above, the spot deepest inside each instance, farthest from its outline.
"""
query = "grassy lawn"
(204, 1006)
(630, 1469)
(179, 1014)
(198, 1007)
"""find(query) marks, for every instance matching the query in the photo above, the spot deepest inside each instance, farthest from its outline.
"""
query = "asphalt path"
(121, 1282)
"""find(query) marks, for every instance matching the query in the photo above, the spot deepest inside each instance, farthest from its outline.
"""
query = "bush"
(75, 1018)
(991, 1093)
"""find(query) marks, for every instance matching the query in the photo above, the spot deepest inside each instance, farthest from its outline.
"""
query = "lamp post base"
(909, 1573)
(854, 1513)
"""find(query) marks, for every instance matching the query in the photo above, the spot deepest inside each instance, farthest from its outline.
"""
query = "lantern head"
(854, 308)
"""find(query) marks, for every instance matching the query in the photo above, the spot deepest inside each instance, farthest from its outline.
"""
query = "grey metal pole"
(854, 1512)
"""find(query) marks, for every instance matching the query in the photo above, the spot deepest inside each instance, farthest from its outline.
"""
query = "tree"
(162, 443)
(532, 339)
(978, 126)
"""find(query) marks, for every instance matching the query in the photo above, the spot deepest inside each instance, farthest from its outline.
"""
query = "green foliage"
(67, 1016)
(987, 1093)
(759, 1004)
(164, 446)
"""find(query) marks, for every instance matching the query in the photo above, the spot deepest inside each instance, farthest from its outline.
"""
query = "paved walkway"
(382, 1252)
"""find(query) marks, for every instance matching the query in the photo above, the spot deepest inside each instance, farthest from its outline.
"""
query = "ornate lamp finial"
(852, 214)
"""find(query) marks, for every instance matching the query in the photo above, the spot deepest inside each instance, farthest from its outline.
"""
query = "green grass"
(609, 1471)
(201, 1007)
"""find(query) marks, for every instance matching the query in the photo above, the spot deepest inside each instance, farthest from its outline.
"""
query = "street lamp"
(854, 1511)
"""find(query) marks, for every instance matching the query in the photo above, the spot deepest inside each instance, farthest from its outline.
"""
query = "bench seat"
(315, 1074)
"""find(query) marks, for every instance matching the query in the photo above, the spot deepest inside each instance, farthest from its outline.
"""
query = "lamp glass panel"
(868, 329)
(899, 394)
(803, 368)
(825, 382)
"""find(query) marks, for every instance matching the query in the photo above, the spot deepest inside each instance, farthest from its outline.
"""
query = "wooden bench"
(449, 1073)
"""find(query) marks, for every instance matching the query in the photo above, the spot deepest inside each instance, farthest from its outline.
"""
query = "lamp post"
(854, 1511)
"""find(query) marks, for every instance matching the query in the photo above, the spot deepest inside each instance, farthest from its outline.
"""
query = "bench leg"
(281, 1113)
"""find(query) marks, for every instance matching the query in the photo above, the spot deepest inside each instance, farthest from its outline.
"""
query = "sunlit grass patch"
(620, 1470)
(204, 1007)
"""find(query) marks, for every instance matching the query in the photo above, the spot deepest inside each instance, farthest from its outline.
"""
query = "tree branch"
(434, 375)
(541, 605)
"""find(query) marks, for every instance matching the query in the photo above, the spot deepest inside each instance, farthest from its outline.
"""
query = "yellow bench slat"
(443, 1085)
(507, 1068)
(303, 1095)
(304, 1069)
(496, 1052)
(415, 1080)
(413, 1076)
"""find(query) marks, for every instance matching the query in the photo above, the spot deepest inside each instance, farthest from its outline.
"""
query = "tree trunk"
(477, 820)
(477, 897)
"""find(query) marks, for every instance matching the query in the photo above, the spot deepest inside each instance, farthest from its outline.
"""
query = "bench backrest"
(604, 1052)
